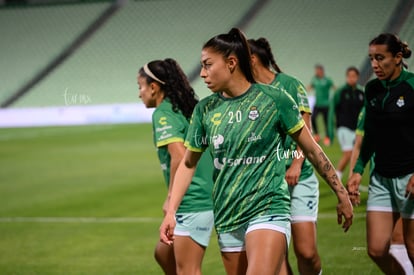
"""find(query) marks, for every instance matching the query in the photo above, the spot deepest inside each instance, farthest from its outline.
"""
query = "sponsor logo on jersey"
(238, 161)
(253, 137)
(217, 141)
(163, 129)
(400, 102)
(163, 166)
(254, 113)
(163, 120)
(216, 119)
(283, 154)
(165, 135)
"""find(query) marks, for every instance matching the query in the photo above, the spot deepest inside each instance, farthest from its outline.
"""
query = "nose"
(203, 73)
(374, 63)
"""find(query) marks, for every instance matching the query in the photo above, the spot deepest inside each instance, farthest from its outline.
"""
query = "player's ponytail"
(261, 48)
(233, 42)
(173, 82)
(406, 51)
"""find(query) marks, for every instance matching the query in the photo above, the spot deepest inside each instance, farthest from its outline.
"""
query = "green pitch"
(87, 200)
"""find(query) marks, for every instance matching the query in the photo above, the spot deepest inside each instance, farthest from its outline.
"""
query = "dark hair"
(352, 68)
(394, 44)
(319, 66)
(176, 86)
(261, 48)
(234, 42)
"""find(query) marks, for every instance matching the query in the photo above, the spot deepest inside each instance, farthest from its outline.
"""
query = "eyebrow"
(205, 60)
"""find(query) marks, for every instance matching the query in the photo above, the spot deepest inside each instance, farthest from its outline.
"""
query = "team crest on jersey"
(400, 102)
(254, 113)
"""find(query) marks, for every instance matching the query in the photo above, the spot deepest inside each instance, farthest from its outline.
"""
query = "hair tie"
(150, 74)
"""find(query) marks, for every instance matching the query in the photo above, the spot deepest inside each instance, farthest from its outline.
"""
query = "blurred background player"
(322, 86)
(163, 85)
(389, 132)
(343, 115)
(247, 123)
(397, 247)
(303, 184)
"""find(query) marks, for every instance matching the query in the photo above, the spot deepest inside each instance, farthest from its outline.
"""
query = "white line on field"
(80, 219)
(115, 219)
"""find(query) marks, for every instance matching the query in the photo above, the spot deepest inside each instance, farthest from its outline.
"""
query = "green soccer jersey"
(168, 127)
(297, 90)
(322, 87)
(245, 135)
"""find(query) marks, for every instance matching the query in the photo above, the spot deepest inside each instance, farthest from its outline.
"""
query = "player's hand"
(410, 189)
(344, 210)
(353, 188)
(167, 229)
(293, 174)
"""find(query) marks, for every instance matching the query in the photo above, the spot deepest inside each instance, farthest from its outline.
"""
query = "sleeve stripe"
(359, 132)
(193, 149)
(305, 109)
(168, 141)
(297, 127)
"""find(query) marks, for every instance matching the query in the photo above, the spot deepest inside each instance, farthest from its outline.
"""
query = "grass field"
(87, 200)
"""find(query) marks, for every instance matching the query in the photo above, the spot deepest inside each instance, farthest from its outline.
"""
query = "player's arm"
(355, 153)
(325, 168)
(293, 173)
(182, 181)
(176, 151)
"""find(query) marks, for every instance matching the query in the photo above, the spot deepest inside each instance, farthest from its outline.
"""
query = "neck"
(396, 74)
(264, 75)
(237, 86)
(159, 100)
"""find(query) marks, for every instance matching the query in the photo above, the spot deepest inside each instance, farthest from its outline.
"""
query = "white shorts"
(346, 138)
(234, 241)
(196, 225)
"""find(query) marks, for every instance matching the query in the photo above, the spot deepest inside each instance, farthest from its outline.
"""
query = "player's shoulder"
(165, 110)
(208, 101)
(277, 94)
(290, 79)
(410, 79)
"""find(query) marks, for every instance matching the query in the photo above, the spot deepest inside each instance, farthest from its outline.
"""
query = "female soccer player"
(163, 85)
(322, 86)
(389, 132)
(397, 247)
(343, 115)
(303, 184)
(245, 132)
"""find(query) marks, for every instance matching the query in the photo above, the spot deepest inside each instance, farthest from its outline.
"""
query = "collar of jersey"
(403, 76)
(237, 97)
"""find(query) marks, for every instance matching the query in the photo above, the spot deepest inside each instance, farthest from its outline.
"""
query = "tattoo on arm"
(326, 170)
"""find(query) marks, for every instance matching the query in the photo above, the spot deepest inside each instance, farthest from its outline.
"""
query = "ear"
(398, 58)
(253, 60)
(232, 63)
(155, 88)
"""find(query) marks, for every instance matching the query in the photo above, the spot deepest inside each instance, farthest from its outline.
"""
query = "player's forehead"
(208, 54)
(376, 49)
